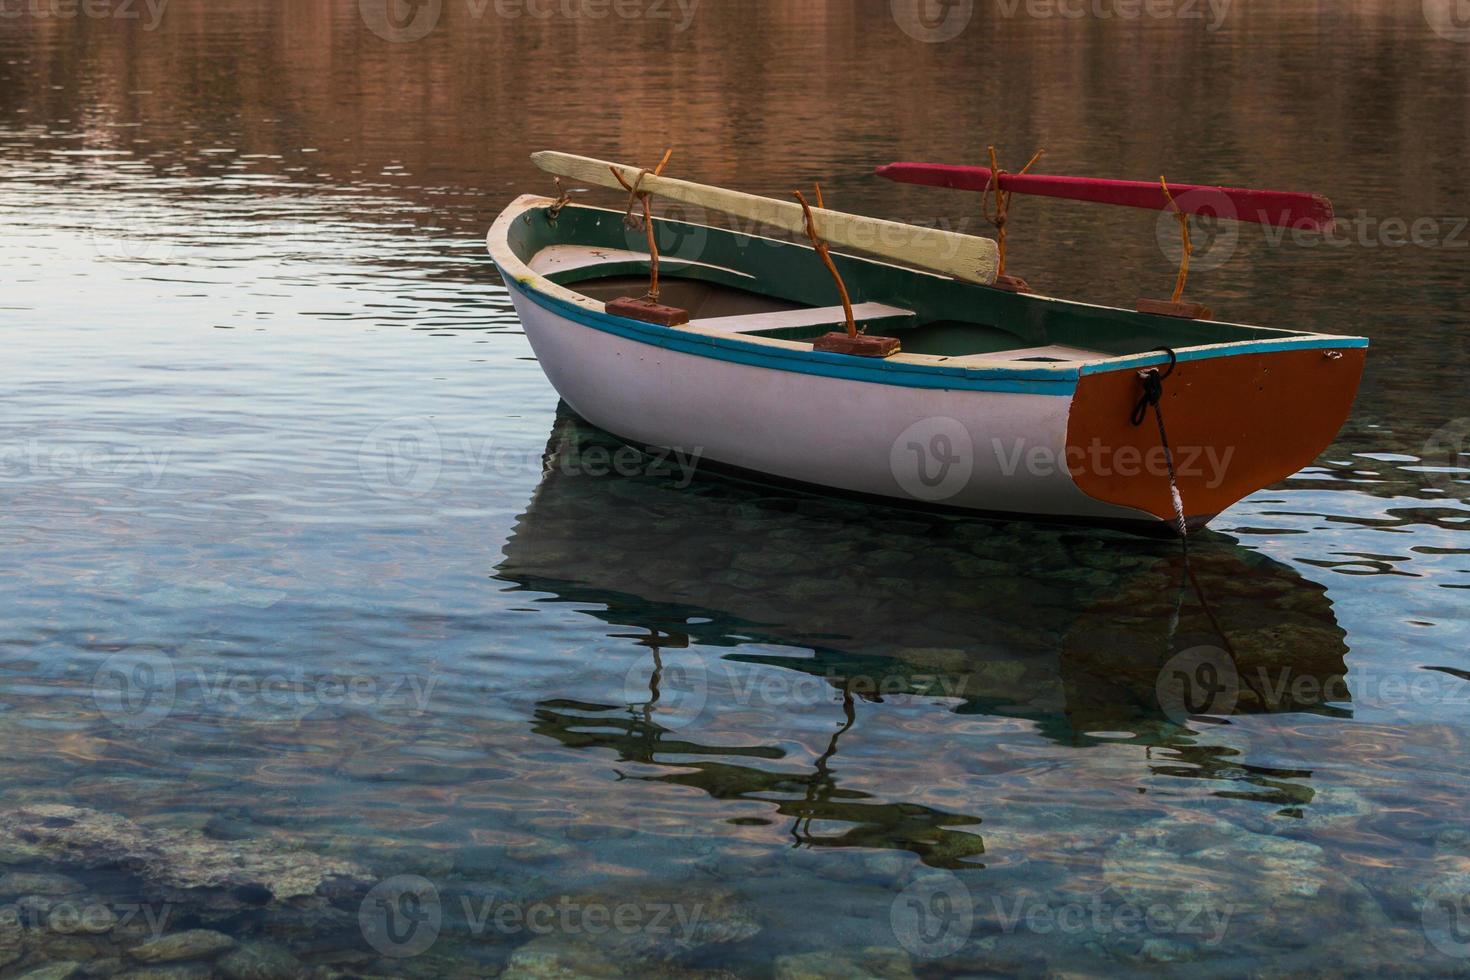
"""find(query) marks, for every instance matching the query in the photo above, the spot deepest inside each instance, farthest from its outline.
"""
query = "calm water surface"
(305, 573)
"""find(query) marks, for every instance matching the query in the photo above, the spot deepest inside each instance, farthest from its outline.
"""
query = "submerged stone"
(23, 883)
(194, 944)
(53, 971)
(872, 963)
(260, 961)
(183, 859)
(557, 958)
(178, 971)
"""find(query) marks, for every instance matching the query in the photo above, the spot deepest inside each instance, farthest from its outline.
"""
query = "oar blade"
(1287, 209)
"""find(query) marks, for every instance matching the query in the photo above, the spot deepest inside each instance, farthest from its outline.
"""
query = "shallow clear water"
(302, 563)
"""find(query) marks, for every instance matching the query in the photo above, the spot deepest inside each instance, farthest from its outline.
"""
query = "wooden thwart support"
(647, 307)
(1013, 284)
(851, 342)
(1174, 305)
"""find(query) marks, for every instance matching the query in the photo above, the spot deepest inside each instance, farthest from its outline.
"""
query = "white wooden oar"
(964, 257)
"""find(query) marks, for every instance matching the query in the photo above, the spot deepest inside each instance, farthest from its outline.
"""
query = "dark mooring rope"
(1153, 393)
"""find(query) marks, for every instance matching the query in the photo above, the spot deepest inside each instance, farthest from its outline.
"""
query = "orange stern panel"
(1236, 423)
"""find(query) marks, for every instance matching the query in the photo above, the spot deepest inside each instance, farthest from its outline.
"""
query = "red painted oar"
(1287, 209)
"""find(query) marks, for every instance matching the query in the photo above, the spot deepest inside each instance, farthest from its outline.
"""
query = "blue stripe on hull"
(1003, 379)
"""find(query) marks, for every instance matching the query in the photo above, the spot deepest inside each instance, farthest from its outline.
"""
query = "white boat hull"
(989, 451)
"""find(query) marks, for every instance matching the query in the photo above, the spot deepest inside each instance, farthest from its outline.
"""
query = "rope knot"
(1153, 387)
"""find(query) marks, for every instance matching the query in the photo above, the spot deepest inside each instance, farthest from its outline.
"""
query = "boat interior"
(747, 285)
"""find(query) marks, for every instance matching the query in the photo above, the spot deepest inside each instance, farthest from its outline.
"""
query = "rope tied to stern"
(1153, 393)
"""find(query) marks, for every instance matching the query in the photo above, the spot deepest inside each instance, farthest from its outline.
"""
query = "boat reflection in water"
(1087, 636)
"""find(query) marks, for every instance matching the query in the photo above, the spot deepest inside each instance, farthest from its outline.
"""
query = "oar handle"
(964, 257)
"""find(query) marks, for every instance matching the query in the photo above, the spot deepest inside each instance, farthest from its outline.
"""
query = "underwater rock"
(574, 958)
(557, 958)
(178, 971)
(23, 883)
(1212, 864)
(181, 859)
(1165, 951)
(61, 949)
(53, 971)
(657, 925)
(872, 963)
(260, 961)
(539, 849)
(193, 944)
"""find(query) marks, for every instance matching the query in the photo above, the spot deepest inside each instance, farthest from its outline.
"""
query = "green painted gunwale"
(979, 319)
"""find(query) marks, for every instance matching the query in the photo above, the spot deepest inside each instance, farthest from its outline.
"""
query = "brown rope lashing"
(824, 253)
(1002, 204)
(636, 196)
(562, 198)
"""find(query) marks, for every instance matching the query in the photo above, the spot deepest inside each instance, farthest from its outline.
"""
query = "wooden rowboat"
(998, 402)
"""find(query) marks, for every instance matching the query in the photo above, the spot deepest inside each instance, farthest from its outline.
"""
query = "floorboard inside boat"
(701, 299)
